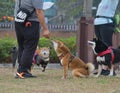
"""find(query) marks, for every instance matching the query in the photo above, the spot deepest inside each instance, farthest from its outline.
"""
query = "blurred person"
(27, 33)
(104, 24)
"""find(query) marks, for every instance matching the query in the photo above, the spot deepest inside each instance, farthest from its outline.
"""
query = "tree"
(70, 9)
(87, 8)
(6, 8)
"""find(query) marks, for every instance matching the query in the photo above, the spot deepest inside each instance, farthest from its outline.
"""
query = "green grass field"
(51, 82)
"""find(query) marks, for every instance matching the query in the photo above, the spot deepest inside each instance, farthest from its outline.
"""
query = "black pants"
(27, 38)
(105, 32)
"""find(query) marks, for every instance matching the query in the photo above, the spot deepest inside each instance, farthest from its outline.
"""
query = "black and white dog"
(105, 55)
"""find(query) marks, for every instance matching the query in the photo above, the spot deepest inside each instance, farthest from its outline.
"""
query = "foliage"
(70, 11)
(5, 46)
(7, 43)
(70, 43)
(6, 8)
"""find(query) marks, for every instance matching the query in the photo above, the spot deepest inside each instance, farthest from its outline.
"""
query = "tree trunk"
(87, 8)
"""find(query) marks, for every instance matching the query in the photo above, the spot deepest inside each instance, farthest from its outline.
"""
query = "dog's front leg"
(111, 70)
(99, 70)
(65, 72)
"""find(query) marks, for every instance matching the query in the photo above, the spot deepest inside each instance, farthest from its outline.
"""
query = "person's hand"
(46, 34)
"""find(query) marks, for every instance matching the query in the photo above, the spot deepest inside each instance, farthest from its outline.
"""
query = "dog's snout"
(45, 53)
(91, 43)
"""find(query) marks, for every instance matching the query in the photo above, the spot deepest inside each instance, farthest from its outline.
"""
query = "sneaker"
(19, 75)
(107, 72)
(29, 75)
(104, 72)
(23, 75)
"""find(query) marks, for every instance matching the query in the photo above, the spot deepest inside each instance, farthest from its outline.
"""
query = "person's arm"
(40, 14)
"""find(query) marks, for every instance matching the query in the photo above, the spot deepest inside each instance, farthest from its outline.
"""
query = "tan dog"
(68, 61)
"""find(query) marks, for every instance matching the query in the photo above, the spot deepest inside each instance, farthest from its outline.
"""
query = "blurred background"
(63, 11)
(69, 20)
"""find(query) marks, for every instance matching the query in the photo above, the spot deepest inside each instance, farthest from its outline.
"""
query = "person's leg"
(27, 38)
(97, 31)
(105, 32)
(31, 38)
(106, 35)
(105, 67)
(20, 40)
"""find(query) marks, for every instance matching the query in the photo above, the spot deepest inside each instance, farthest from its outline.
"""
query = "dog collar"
(46, 59)
(108, 51)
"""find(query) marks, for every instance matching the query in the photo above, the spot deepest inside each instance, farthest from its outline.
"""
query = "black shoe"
(107, 72)
(104, 72)
(23, 75)
(29, 75)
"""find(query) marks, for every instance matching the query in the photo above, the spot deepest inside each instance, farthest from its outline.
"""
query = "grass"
(51, 82)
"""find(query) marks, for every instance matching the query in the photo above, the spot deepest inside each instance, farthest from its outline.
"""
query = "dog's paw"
(96, 76)
(100, 59)
(110, 75)
(63, 78)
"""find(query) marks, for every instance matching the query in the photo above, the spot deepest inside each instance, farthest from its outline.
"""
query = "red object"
(109, 50)
(28, 24)
(4, 17)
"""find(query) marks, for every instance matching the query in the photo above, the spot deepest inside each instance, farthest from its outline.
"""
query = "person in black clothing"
(104, 25)
(28, 33)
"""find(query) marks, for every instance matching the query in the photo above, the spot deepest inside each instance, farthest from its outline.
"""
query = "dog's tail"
(90, 67)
